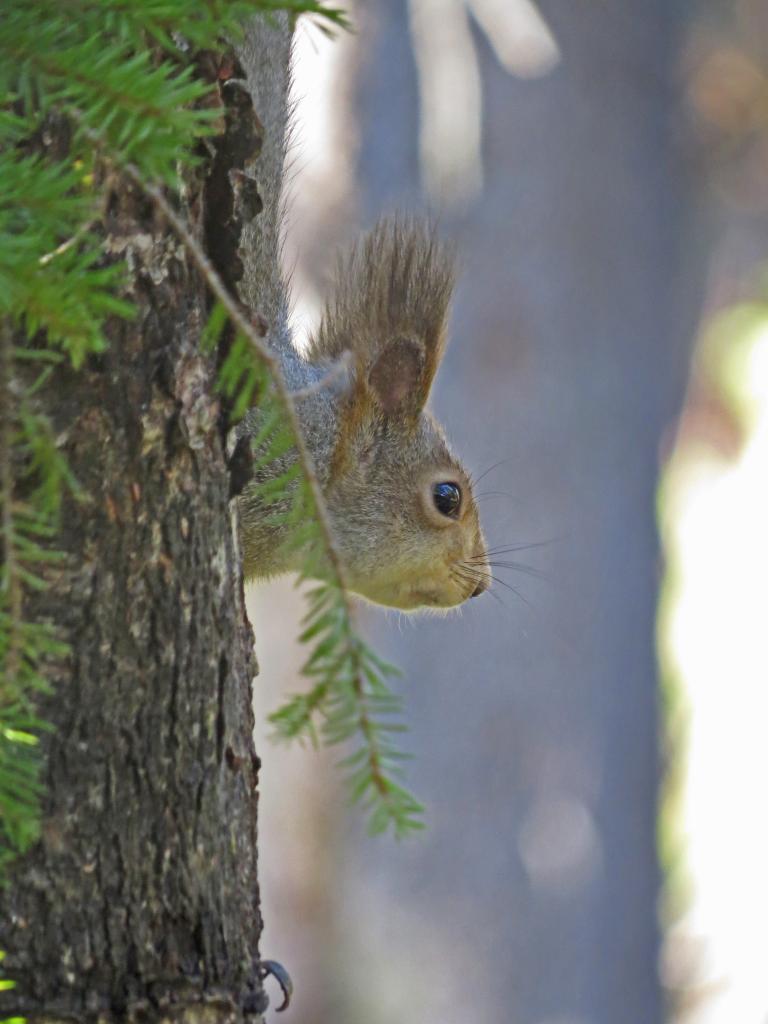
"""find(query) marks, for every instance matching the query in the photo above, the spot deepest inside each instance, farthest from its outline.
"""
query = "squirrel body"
(400, 503)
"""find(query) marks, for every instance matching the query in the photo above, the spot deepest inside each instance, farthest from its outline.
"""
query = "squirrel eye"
(447, 499)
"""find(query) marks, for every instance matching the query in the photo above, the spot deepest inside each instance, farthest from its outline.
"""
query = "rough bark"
(141, 900)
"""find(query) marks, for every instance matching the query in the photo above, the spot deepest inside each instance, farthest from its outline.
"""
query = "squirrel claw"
(283, 978)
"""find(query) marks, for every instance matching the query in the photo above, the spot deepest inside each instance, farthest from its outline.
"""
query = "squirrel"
(400, 503)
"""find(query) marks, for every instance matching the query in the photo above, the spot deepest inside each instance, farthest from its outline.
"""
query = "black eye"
(447, 499)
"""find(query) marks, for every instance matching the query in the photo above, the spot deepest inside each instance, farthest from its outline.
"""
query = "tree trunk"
(141, 899)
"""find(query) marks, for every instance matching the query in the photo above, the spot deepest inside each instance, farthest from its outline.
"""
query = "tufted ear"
(396, 377)
(390, 311)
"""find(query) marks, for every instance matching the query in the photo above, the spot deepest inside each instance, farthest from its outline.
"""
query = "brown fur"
(396, 284)
(376, 449)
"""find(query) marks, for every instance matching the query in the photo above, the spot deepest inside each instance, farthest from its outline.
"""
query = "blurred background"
(590, 741)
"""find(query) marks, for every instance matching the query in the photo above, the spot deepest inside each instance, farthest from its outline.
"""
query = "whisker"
(493, 494)
(527, 570)
(480, 575)
(457, 574)
(473, 583)
(510, 549)
(501, 462)
(465, 573)
(514, 590)
(495, 596)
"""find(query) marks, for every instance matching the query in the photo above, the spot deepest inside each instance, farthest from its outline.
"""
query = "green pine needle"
(351, 700)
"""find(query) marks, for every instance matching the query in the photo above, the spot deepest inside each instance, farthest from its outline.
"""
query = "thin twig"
(286, 398)
(61, 249)
(217, 286)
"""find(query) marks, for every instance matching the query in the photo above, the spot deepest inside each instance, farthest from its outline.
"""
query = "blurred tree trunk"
(141, 899)
(536, 727)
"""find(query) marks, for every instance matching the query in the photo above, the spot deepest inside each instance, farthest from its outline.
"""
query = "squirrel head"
(402, 506)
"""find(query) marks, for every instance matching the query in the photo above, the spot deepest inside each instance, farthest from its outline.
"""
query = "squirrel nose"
(479, 589)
